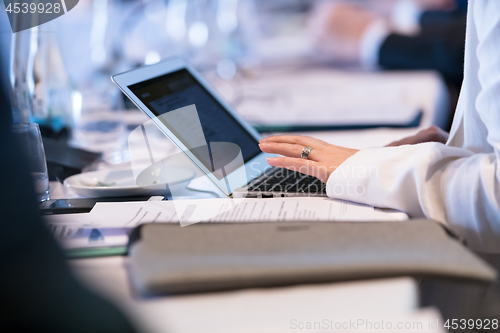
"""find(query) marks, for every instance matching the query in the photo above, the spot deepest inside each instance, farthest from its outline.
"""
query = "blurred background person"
(412, 35)
(420, 34)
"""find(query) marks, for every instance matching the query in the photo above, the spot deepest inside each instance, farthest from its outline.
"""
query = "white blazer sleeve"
(459, 186)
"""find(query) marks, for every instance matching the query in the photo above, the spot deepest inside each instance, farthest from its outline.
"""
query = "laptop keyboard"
(286, 181)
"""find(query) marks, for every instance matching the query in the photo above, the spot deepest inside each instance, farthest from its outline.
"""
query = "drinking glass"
(30, 140)
(97, 123)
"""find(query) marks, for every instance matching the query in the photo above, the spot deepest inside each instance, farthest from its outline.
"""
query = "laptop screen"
(180, 89)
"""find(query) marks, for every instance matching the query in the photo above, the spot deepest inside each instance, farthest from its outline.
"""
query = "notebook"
(167, 258)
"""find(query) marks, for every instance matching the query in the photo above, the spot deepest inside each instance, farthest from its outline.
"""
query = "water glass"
(97, 123)
(30, 140)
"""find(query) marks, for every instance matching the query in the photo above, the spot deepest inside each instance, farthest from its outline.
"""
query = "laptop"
(173, 84)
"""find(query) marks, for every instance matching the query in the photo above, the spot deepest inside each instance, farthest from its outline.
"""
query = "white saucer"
(121, 183)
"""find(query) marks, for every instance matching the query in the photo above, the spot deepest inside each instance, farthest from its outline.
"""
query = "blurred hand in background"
(337, 29)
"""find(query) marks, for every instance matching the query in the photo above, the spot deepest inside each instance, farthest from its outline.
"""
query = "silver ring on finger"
(305, 152)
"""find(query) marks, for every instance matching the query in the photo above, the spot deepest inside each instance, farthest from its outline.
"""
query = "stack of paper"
(109, 223)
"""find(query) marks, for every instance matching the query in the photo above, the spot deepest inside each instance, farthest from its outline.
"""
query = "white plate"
(121, 183)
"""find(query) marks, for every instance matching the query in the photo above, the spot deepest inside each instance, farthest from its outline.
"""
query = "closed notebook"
(167, 258)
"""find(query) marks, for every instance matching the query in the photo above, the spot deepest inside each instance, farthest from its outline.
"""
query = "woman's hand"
(431, 134)
(323, 159)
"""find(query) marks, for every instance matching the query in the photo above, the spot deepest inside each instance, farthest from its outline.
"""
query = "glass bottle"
(24, 46)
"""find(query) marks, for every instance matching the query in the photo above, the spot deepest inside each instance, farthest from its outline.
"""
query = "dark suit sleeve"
(438, 47)
(37, 290)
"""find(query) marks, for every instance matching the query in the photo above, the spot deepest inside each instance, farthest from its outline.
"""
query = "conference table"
(313, 308)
